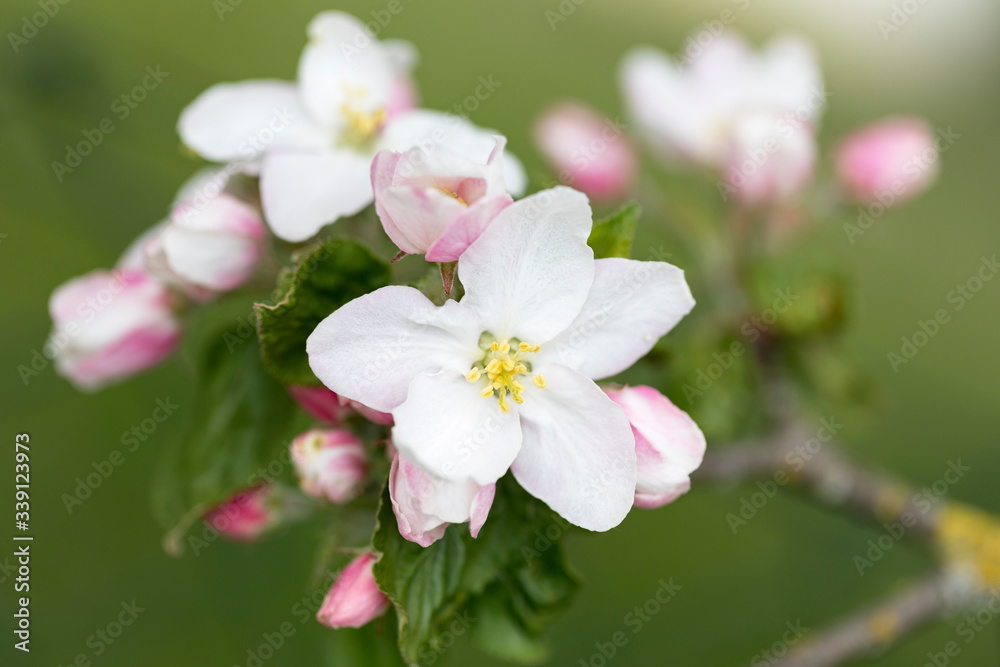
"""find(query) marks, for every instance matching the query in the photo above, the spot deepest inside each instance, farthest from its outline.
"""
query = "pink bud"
(354, 599)
(216, 244)
(321, 403)
(331, 464)
(425, 505)
(328, 407)
(437, 203)
(245, 516)
(109, 325)
(895, 158)
(374, 416)
(589, 152)
(669, 446)
(770, 159)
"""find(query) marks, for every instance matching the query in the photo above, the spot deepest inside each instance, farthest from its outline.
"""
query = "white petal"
(451, 431)
(529, 273)
(631, 305)
(343, 64)
(303, 190)
(235, 121)
(213, 260)
(578, 452)
(428, 129)
(371, 349)
(402, 54)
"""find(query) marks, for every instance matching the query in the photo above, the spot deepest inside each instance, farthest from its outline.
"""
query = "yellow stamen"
(453, 195)
(502, 364)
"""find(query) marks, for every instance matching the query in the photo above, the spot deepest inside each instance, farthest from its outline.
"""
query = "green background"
(793, 562)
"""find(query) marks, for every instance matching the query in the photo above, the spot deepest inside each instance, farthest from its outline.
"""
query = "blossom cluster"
(512, 371)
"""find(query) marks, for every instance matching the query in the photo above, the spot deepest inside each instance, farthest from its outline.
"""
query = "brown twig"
(872, 631)
(966, 539)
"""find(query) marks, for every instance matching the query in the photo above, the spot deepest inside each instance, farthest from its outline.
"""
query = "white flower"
(313, 142)
(698, 113)
(504, 379)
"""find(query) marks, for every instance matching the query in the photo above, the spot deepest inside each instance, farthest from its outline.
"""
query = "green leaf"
(240, 419)
(429, 586)
(613, 236)
(331, 275)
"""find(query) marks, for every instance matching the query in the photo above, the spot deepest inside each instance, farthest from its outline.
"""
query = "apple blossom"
(729, 104)
(669, 446)
(895, 156)
(313, 142)
(504, 379)
(354, 599)
(437, 204)
(588, 151)
(331, 464)
(767, 161)
(109, 325)
(425, 505)
(246, 515)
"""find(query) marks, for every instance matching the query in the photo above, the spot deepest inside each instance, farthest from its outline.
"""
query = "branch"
(966, 540)
(873, 630)
(800, 458)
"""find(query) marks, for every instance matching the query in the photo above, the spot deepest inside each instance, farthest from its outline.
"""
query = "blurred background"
(792, 564)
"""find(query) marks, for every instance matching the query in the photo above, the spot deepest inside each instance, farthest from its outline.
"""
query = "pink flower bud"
(328, 407)
(321, 403)
(331, 464)
(245, 516)
(895, 157)
(215, 245)
(588, 151)
(437, 203)
(770, 159)
(669, 446)
(109, 325)
(425, 505)
(354, 599)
